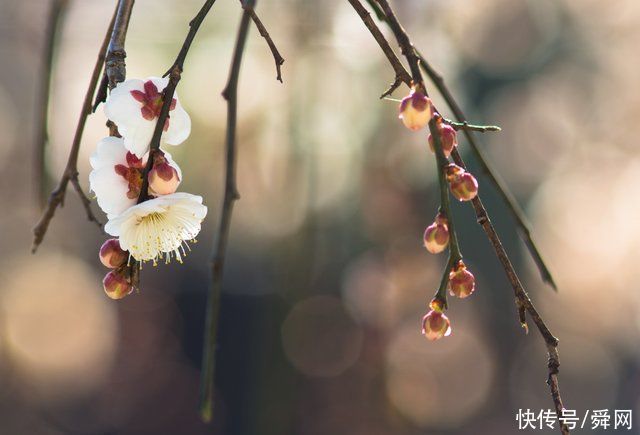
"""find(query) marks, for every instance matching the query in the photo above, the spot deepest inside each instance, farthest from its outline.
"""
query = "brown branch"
(115, 67)
(523, 302)
(457, 126)
(402, 76)
(512, 205)
(70, 173)
(277, 58)
(115, 70)
(174, 74)
(231, 194)
(403, 40)
(54, 22)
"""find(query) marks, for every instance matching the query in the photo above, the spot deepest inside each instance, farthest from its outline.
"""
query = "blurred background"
(326, 278)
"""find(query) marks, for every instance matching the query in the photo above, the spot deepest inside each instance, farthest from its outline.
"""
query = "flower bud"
(461, 282)
(116, 285)
(436, 236)
(415, 110)
(112, 255)
(435, 325)
(464, 186)
(448, 138)
(163, 178)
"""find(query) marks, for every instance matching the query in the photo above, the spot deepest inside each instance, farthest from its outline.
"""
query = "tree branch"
(523, 302)
(277, 58)
(115, 66)
(231, 194)
(70, 173)
(174, 73)
(403, 40)
(512, 205)
(56, 16)
(402, 76)
(457, 126)
(454, 248)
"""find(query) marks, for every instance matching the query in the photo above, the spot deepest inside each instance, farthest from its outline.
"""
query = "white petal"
(179, 126)
(172, 163)
(109, 152)
(179, 121)
(110, 189)
(137, 134)
(158, 226)
(124, 111)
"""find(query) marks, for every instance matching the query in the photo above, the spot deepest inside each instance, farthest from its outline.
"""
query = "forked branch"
(523, 302)
(70, 174)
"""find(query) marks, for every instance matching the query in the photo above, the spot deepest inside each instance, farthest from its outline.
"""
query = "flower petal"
(179, 126)
(110, 189)
(110, 151)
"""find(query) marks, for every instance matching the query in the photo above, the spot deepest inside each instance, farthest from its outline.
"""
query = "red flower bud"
(436, 236)
(462, 283)
(448, 138)
(464, 186)
(112, 255)
(163, 178)
(435, 325)
(415, 110)
(116, 285)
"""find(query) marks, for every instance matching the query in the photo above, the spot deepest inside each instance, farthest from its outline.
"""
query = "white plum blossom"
(134, 106)
(159, 226)
(116, 178)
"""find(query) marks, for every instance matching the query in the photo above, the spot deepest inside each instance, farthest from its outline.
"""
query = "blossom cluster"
(416, 111)
(152, 225)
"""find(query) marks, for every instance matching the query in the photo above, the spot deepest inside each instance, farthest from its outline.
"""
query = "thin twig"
(56, 16)
(454, 248)
(70, 173)
(402, 76)
(512, 205)
(231, 194)
(403, 40)
(174, 73)
(277, 58)
(457, 126)
(523, 302)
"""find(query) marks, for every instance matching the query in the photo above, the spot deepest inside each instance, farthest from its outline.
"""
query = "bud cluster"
(116, 283)
(416, 111)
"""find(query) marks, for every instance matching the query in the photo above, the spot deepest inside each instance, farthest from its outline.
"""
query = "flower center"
(151, 100)
(132, 173)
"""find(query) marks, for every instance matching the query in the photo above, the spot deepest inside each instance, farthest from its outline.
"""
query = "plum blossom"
(116, 178)
(159, 226)
(134, 106)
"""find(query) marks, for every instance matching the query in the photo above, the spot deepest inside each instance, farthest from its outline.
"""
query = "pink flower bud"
(163, 178)
(462, 283)
(112, 255)
(464, 186)
(436, 236)
(448, 138)
(415, 110)
(435, 325)
(116, 285)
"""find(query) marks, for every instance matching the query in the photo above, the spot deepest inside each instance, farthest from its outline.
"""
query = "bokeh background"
(326, 279)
